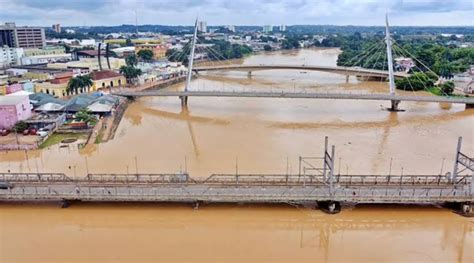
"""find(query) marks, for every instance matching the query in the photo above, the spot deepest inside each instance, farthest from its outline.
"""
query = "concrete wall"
(11, 114)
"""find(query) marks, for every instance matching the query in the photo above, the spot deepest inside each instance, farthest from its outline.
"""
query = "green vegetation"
(447, 88)
(20, 126)
(267, 48)
(438, 55)
(221, 50)
(145, 55)
(417, 81)
(58, 137)
(131, 60)
(79, 83)
(131, 73)
(85, 115)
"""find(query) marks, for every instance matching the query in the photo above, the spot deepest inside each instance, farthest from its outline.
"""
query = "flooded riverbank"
(225, 135)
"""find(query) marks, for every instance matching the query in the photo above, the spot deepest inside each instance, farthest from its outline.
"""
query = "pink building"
(14, 88)
(13, 109)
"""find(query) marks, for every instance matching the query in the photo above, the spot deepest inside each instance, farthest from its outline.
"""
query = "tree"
(79, 82)
(267, 48)
(145, 55)
(85, 116)
(128, 42)
(130, 72)
(131, 60)
(20, 126)
(447, 88)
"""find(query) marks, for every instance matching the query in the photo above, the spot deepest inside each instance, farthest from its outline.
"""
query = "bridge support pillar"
(347, 78)
(184, 101)
(465, 209)
(394, 105)
(330, 207)
(249, 74)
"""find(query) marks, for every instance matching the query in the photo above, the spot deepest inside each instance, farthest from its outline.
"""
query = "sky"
(238, 12)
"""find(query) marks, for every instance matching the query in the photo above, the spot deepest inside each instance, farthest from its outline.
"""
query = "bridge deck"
(337, 70)
(237, 188)
(296, 95)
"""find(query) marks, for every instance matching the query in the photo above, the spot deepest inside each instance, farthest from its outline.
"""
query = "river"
(229, 135)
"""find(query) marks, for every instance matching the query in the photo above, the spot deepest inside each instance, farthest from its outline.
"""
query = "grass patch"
(58, 137)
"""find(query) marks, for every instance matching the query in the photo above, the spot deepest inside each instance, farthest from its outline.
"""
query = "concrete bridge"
(297, 95)
(347, 71)
(313, 184)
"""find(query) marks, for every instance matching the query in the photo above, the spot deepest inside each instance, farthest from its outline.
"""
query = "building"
(57, 28)
(13, 109)
(202, 26)
(159, 51)
(44, 59)
(282, 28)
(48, 50)
(106, 79)
(10, 56)
(267, 28)
(22, 37)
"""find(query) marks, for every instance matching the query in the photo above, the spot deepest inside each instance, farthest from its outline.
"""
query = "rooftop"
(104, 74)
(11, 100)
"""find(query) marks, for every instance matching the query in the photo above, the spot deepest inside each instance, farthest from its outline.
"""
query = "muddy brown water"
(222, 135)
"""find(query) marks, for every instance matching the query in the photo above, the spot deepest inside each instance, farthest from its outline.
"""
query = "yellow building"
(159, 51)
(57, 90)
(3, 89)
(107, 79)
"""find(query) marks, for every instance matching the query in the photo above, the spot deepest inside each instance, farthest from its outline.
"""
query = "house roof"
(79, 102)
(11, 100)
(104, 74)
(92, 53)
(100, 107)
(50, 106)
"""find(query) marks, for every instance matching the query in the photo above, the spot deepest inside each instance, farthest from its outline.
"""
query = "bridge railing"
(34, 177)
(138, 178)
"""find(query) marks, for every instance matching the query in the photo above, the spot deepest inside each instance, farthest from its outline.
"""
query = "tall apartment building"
(267, 28)
(282, 28)
(57, 28)
(10, 56)
(22, 37)
(202, 26)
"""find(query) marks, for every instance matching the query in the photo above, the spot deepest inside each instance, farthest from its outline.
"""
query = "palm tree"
(79, 82)
(130, 72)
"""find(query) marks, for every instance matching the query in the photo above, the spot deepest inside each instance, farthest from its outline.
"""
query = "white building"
(42, 59)
(10, 56)
(282, 28)
(202, 26)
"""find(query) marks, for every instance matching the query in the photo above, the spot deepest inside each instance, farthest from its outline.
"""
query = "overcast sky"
(237, 12)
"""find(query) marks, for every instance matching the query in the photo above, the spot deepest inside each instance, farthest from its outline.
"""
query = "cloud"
(238, 12)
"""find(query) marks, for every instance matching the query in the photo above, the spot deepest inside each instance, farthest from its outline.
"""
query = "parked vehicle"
(26, 132)
(4, 132)
(42, 133)
(33, 131)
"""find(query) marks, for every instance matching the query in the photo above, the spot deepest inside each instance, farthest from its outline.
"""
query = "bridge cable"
(424, 86)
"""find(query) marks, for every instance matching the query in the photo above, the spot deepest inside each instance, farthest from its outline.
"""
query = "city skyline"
(240, 12)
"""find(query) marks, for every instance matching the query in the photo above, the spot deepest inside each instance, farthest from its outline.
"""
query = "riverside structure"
(312, 184)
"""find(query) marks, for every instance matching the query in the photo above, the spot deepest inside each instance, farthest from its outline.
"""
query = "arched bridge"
(348, 71)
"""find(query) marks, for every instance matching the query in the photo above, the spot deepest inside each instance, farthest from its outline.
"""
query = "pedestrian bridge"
(296, 95)
(347, 71)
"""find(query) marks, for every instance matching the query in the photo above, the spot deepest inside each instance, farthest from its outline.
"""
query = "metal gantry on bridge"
(316, 181)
